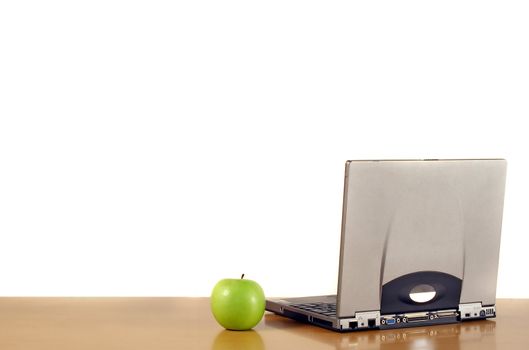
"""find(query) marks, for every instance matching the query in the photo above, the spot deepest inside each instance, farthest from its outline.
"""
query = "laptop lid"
(411, 224)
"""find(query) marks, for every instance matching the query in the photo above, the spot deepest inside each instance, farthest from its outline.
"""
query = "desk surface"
(186, 323)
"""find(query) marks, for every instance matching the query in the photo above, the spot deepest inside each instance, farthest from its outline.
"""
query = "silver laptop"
(419, 246)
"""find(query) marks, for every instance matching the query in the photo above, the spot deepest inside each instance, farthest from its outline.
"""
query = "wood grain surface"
(187, 323)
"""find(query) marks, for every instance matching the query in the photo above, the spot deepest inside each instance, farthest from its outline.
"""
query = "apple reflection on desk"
(238, 340)
(414, 338)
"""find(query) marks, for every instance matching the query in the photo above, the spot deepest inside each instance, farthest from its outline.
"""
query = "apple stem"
(242, 276)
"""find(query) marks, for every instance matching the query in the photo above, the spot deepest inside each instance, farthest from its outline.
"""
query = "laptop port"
(353, 325)
(371, 323)
(390, 321)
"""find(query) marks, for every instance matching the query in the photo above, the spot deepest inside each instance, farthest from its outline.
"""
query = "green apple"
(237, 304)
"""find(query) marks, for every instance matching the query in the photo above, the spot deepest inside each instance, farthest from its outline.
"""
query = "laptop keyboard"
(327, 309)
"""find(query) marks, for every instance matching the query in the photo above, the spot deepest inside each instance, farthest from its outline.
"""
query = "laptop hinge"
(362, 320)
(469, 311)
(368, 319)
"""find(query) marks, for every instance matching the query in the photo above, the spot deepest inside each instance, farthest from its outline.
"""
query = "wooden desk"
(186, 323)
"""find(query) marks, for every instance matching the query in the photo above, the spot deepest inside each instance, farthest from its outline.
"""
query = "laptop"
(419, 246)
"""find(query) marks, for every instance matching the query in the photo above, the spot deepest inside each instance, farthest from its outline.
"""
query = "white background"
(155, 147)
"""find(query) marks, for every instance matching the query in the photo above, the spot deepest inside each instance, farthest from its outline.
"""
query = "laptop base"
(373, 319)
